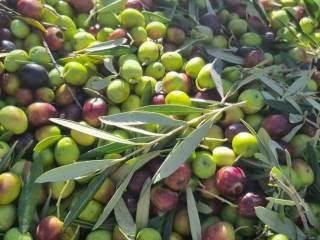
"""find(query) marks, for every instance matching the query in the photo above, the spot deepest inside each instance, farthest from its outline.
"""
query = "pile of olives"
(49, 69)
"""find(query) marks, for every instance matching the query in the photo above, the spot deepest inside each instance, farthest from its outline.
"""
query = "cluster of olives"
(35, 89)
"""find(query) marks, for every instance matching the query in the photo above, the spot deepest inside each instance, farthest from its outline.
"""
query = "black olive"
(7, 46)
(33, 76)
(212, 21)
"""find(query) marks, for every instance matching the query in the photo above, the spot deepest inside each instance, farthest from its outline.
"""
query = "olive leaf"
(139, 162)
(182, 152)
(85, 197)
(225, 56)
(194, 219)
(6, 160)
(140, 118)
(76, 170)
(124, 219)
(279, 224)
(172, 109)
(91, 131)
(108, 63)
(147, 94)
(143, 206)
(216, 71)
(29, 197)
(46, 143)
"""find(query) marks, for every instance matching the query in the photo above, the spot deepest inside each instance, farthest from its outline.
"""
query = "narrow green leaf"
(313, 158)
(168, 225)
(85, 198)
(139, 130)
(272, 85)
(113, 6)
(108, 63)
(124, 219)
(29, 197)
(106, 149)
(279, 224)
(188, 43)
(23, 151)
(299, 84)
(223, 55)
(7, 159)
(143, 206)
(313, 103)
(113, 201)
(204, 208)
(104, 46)
(292, 133)
(283, 202)
(140, 118)
(46, 143)
(91, 131)
(155, 17)
(76, 170)
(178, 110)
(313, 7)
(139, 162)
(45, 208)
(194, 219)
(282, 106)
(147, 94)
(98, 84)
(216, 70)
(182, 152)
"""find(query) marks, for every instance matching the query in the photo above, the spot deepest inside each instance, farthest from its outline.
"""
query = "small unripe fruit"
(219, 231)
(245, 144)
(13, 119)
(204, 166)
(178, 97)
(66, 151)
(223, 156)
(181, 223)
(254, 101)
(148, 234)
(156, 30)
(176, 36)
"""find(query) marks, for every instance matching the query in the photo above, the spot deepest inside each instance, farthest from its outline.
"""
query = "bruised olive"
(33, 76)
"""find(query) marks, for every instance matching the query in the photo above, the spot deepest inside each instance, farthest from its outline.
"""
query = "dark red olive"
(230, 181)
(71, 112)
(159, 99)
(130, 201)
(54, 37)
(248, 202)
(137, 182)
(277, 125)
(254, 58)
(136, 4)
(30, 8)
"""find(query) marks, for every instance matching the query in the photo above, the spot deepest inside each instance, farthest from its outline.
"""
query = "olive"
(7, 46)
(33, 76)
